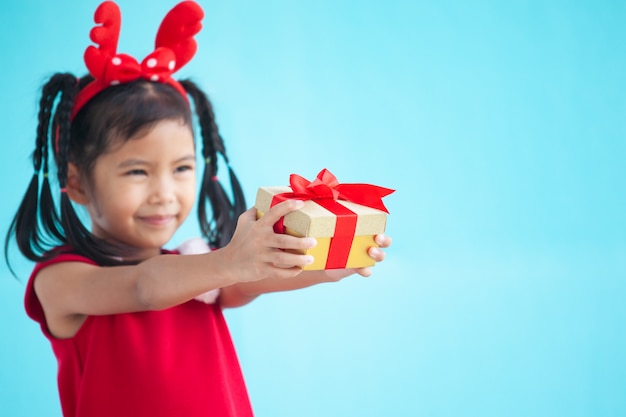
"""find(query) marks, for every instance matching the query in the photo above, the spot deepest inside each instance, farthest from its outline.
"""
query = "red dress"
(176, 362)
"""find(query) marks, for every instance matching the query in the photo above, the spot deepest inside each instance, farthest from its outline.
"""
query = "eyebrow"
(134, 161)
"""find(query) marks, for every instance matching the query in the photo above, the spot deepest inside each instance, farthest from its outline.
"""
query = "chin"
(150, 244)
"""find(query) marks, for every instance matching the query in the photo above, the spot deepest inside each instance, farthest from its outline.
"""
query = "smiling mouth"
(157, 220)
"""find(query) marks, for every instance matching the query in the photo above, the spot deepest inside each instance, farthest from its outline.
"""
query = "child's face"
(143, 190)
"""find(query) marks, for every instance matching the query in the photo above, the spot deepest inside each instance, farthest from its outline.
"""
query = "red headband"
(174, 47)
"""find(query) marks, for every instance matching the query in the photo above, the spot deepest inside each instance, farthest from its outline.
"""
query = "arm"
(242, 293)
(71, 291)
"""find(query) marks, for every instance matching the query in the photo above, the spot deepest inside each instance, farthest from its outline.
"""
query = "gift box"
(343, 218)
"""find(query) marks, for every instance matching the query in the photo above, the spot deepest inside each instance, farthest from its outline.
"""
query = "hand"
(236, 295)
(256, 252)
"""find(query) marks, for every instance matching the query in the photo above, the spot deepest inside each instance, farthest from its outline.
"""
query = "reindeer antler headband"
(174, 47)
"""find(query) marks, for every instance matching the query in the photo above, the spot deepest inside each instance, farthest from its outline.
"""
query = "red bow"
(174, 47)
(123, 68)
(326, 186)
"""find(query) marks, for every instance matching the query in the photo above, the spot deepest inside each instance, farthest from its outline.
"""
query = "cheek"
(190, 193)
(117, 201)
(188, 186)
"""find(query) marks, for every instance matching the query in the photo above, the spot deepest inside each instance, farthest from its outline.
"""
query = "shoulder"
(61, 262)
(58, 256)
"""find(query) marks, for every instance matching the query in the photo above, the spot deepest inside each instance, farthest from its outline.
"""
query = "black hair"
(220, 230)
(44, 226)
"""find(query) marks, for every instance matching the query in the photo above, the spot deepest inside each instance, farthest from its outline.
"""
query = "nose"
(162, 191)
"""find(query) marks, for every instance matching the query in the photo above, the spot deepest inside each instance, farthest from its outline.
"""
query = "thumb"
(248, 216)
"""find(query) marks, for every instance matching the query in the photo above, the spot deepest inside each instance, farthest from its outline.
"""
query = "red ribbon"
(325, 190)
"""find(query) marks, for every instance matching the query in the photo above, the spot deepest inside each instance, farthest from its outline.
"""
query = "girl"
(118, 310)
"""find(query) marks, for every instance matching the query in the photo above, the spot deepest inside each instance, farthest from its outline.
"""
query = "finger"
(284, 241)
(383, 241)
(376, 254)
(283, 259)
(280, 210)
(248, 215)
(286, 273)
(364, 272)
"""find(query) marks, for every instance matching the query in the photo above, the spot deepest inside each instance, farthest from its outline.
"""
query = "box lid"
(315, 220)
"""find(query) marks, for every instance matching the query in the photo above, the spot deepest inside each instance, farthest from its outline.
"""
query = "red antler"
(177, 30)
(175, 46)
(106, 36)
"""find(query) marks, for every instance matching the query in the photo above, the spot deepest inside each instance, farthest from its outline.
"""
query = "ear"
(75, 185)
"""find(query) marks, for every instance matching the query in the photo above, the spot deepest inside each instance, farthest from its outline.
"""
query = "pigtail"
(75, 232)
(60, 134)
(239, 203)
(36, 225)
(27, 237)
(225, 211)
(76, 235)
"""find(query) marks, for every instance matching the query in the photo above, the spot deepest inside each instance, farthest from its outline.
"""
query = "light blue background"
(501, 124)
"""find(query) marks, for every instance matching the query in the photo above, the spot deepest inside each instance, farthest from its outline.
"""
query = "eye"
(133, 172)
(184, 168)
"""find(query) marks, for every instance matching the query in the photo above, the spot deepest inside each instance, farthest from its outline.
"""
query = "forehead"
(168, 142)
(168, 139)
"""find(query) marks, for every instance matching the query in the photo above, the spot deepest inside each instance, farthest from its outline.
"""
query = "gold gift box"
(313, 220)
